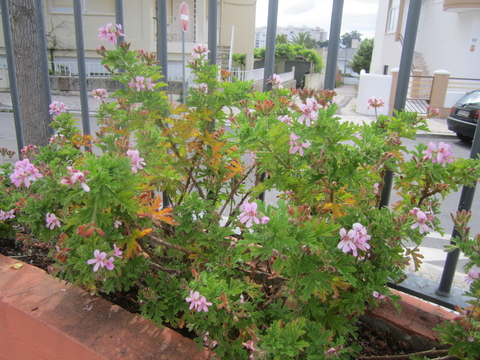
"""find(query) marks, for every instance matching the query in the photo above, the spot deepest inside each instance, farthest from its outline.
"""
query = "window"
(393, 13)
(88, 6)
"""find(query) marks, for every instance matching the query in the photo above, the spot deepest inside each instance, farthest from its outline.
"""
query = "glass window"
(99, 7)
(393, 15)
(61, 6)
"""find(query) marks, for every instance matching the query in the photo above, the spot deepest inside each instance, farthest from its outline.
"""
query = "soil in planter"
(372, 341)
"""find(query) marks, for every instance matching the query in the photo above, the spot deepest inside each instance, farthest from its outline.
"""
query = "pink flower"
(199, 50)
(198, 302)
(6, 215)
(52, 221)
(202, 305)
(249, 345)
(138, 83)
(24, 172)
(444, 154)
(117, 224)
(99, 94)
(309, 111)
(98, 260)
(56, 108)
(286, 119)
(276, 81)
(472, 276)
(105, 33)
(355, 239)
(430, 151)
(375, 103)
(148, 83)
(296, 146)
(380, 297)
(116, 251)
(203, 87)
(250, 214)
(109, 263)
(432, 112)
(421, 221)
(135, 159)
(75, 176)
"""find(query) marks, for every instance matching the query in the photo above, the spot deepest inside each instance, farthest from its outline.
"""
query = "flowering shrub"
(249, 279)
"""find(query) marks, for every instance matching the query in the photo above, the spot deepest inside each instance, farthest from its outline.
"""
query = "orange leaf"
(236, 168)
(131, 242)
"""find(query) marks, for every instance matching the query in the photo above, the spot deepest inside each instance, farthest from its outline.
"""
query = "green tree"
(348, 37)
(304, 38)
(322, 44)
(282, 39)
(363, 57)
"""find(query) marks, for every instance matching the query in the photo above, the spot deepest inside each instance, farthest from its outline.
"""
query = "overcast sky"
(360, 15)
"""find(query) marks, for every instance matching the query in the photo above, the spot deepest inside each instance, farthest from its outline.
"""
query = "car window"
(472, 99)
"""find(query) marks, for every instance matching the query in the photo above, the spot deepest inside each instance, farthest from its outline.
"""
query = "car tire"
(464, 138)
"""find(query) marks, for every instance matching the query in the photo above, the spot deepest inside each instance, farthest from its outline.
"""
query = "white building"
(448, 37)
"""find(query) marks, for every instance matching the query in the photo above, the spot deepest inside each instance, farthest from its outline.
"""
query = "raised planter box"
(42, 318)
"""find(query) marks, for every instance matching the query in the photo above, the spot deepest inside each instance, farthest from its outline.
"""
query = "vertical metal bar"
(82, 73)
(119, 18)
(7, 34)
(212, 30)
(406, 61)
(270, 46)
(184, 82)
(465, 203)
(334, 41)
(162, 44)
(42, 44)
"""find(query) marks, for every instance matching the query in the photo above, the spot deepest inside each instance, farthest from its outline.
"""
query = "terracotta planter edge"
(43, 318)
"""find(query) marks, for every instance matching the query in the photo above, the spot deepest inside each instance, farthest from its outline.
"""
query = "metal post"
(465, 203)
(184, 82)
(212, 30)
(270, 44)
(42, 44)
(162, 49)
(7, 34)
(119, 18)
(82, 73)
(333, 43)
(406, 61)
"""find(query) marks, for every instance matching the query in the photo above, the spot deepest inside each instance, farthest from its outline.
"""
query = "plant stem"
(429, 353)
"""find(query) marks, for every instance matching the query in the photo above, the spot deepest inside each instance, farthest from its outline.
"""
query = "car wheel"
(464, 137)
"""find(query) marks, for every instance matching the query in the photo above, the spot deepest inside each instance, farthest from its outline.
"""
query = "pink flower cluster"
(6, 215)
(276, 81)
(431, 112)
(355, 239)
(286, 119)
(100, 259)
(422, 218)
(250, 345)
(135, 159)
(472, 276)
(24, 172)
(250, 214)
(56, 108)
(380, 297)
(309, 111)
(52, 221)
(99, 93)
(141, 83)
(296, 146)
(105, 33)
(375, 103)
(333, 351)
(75, 176)
(442, 156)
(199, 50)
(198, 302)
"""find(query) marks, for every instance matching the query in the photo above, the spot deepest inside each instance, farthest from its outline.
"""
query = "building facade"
(448, 37)
(234, 16)
(317, 34)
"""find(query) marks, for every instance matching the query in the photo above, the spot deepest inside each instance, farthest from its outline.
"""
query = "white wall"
(375, 85)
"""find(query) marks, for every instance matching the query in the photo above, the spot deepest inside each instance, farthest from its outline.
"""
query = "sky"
(360, 15)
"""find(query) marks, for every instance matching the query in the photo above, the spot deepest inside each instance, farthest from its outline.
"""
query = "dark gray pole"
(82, 73)
(333, 44)
(465, 203)
(184, 80)
(212, 30)
(162, 49)
(42, 44)
(7, 34)
(119, 18)
(270, 45)
(406, 60)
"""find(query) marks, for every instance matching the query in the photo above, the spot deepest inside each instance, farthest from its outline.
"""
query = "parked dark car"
(464, 115)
